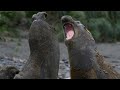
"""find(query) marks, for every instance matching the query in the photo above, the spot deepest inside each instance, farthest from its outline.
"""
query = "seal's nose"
(45, 14)
(66, 18)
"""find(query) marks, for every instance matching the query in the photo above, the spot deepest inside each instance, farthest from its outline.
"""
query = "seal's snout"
(66, 18)
(45, 14)
(39, 15)
(33, 17)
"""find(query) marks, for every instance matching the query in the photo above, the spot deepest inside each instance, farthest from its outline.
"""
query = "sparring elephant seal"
(85, 60)
(43, 62)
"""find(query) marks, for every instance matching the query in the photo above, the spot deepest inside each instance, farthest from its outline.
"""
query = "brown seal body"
(43, 61)
(85, 60)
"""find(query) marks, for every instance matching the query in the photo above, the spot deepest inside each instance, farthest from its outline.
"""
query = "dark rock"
(8, 72)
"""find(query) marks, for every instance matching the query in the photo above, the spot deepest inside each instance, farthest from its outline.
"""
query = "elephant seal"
(43, 62)
(85, 60)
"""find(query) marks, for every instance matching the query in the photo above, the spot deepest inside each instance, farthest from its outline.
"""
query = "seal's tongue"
(69, 31)
(69, 34)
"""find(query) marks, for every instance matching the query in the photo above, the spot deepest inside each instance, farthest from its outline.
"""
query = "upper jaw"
(67, 23)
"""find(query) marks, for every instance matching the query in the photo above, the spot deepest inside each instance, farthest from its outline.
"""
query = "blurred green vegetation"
(104, 25)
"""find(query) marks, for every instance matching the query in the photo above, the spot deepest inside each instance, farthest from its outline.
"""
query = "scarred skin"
(85, 60)
(43, 61)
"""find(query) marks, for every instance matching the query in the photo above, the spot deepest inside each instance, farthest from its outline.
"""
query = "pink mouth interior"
(69, 31)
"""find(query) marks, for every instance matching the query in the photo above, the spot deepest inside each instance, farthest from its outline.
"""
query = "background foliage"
(104, 25)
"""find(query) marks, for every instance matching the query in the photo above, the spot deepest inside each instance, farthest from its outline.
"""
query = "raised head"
(73, 29)
(39, 15)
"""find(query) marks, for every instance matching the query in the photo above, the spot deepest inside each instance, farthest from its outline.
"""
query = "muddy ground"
(15, 52)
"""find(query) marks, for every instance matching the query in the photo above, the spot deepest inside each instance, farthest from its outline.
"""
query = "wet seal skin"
(85, 60)
(43, 62)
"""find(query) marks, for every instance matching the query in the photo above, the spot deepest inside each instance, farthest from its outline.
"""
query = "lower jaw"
(69, 39)
(69, 43)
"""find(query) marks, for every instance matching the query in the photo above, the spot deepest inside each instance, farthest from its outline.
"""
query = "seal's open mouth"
(69, 31)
